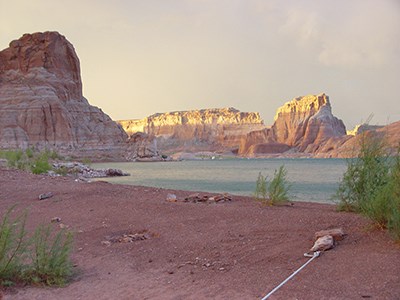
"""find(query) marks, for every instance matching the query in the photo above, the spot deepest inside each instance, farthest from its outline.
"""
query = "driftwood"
(326, 239)
(336, 233)
(323, 243)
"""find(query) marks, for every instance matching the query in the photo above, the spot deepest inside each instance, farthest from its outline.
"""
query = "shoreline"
(237, 249)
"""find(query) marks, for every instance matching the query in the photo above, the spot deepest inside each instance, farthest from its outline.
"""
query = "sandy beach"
(232, 250)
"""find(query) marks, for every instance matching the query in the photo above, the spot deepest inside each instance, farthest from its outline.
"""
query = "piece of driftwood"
(337, 234)
(323, 243)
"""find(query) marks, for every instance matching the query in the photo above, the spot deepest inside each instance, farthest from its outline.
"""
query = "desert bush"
(371, 185)
(364, 177)
(40, 164)
(36, 162)
(13, 247)
(50, 257)
(273, 192)
(44, 258)
(279, 187)
(260, 193)
(29, 152)
(394, 205)
(15, 159)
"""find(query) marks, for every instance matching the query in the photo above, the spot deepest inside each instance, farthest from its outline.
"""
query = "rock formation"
(196, 130)
(349, 145)
(306, 122)
(358, 129)
(41, 101)
(302, 124)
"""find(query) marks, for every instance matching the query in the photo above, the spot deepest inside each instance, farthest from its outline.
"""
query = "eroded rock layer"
(41, 101)
(306, 122)
(303, 124)
(196, 130)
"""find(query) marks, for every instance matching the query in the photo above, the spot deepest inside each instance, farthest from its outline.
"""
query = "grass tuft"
(42, 259)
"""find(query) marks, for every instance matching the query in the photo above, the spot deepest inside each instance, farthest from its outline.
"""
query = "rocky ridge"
(206, 129)
(349, 145)
(302, 125)
(41, 101)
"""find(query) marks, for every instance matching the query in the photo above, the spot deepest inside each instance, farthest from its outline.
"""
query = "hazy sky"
(139, 57)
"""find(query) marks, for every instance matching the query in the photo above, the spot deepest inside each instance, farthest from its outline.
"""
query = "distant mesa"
(41, 101)
(303, 127)
(196, 130)
(302, 124)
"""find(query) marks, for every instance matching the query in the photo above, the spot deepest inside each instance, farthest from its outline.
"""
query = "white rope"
(315, 255)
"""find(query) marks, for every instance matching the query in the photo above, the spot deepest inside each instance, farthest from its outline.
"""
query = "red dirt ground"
(232, 250)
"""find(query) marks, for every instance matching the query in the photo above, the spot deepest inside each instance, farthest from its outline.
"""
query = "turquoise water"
(313, 180)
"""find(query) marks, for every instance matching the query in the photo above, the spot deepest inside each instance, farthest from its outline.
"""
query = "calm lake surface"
(313, 180)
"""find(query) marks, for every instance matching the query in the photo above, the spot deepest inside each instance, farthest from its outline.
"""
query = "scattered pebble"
(171, 198)
(106, 243)
(197, 198)
(45, 196)
(130, 237)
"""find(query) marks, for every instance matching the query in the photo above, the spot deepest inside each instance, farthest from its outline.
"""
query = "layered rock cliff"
(196, 130)
(303, 124)
(350, 145)
(41, 101)
(306, 122)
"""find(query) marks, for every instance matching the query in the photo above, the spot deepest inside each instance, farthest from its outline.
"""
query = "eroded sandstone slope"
(302, 124)
(196, 130)
(41, 101)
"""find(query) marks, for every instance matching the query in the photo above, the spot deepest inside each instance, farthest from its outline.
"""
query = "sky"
(140, 57)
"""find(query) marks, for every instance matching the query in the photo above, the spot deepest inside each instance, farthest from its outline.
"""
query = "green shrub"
(391, 195)
(44, 258)
(274, 192)
(52, 154)
(279, 187)
(40, 164)
(37, 162)
(87, 161)
(371, 185)
(29, 152)
(50, 257)
(260, 193)
(14, 158)
(13, 247)
(365, 176)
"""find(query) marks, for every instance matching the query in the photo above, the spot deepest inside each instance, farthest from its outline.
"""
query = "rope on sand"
(315, 255)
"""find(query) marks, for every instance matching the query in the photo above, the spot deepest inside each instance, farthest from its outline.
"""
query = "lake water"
(312, 180)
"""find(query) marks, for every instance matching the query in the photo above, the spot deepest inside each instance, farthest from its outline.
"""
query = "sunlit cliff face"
(210, 117)
(306, 104)
(197, 130)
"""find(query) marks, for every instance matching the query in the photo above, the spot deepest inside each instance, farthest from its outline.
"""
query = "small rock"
(62, 226)
(171, 198)
(193, 197)
(106, 243)
(55, 220)
(45, 196)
